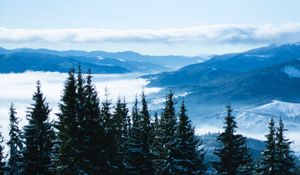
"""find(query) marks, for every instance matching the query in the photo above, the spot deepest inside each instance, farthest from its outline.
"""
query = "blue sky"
(186, 27)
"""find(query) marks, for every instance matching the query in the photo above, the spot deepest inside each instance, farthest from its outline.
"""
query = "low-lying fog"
(19, 87)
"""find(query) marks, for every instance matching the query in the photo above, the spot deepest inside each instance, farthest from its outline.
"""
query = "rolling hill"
(20, 60)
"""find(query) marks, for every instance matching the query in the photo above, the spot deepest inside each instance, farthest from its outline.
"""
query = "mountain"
(228, 65)
(169, 61)
(23, 61)
(228, 78)
(277, 82)
(128, 61)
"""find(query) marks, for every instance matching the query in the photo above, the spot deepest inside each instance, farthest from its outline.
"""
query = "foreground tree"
(137, 157)
(80, 122)
(285, 163)
(146, 138)
(156, 145)
(15, 143)
(121, 132)
(38, 137)
(268, 162)
(168, 127)
(188, 155)
(2, 157)
(67, 159)
(92, 130)
(233, 151)
(110, 143)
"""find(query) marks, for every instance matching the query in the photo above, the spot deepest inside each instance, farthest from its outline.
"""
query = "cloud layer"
(211, 34)
(19, 87)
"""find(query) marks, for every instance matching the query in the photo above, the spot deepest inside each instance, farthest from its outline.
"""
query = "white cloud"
(209, 34)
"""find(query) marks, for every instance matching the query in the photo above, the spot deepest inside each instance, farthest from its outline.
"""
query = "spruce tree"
(156, 145)
(233, 152)
(137, 159)
(80, 122)
(2, 156)
(285, 163)
(190, 153)
(146, 131)
(15, 143)
(92, 130)
(110, 146)
(247, 165)
(38, 137)
(268, 163)
(68, 159)
(121, 132)
(168, 127)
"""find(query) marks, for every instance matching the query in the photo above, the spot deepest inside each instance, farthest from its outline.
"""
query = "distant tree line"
(95, 138)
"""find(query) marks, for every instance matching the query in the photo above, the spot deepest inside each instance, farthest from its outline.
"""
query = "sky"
(156, 27)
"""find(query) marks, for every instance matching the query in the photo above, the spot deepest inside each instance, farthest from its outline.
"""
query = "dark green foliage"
(15, 143)
(2, 156)
(156, 145)
(68, 160)
(80, 122)
(285, 163)
(168, 127)
(146, 125)
(109, 143)
(120, 130)
(146, 137)
(278, 159)
(190, 157)
(268, 162)
(38, 137)
(92, 130)
(233, 158)
(80, 145)
(138, 158)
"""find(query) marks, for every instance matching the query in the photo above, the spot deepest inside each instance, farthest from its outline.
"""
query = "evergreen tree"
(146, 131)
(233, 152)
(156, 145)
(168, 127)
(2, 156)
(268, 162)
(189, 155)
(92, 130)
(68, 159)
(15, 143)
(247, 164)
(120, 132)
(80, 122)
(38, 137)
(55, 152)
(137, 158)
(285, 163)
(110, 146)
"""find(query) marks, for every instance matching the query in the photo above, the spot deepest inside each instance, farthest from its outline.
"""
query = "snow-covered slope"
(254, 119)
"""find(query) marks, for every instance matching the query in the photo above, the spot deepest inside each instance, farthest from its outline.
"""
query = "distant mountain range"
(260, 84)
(254, 77)
(20, 60)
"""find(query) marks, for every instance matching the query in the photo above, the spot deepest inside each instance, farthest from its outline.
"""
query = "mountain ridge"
(147, 63)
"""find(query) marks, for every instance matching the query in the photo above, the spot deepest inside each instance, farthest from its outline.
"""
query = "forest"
(93, 137)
